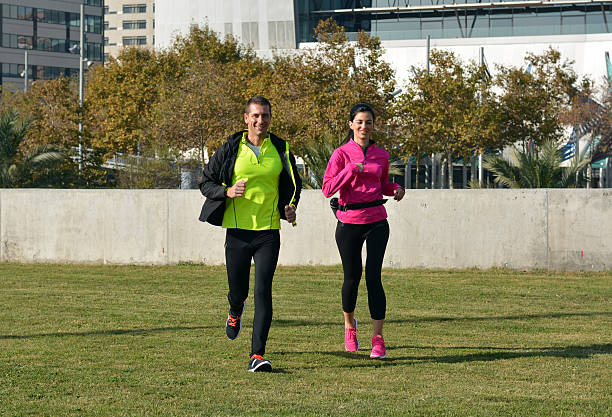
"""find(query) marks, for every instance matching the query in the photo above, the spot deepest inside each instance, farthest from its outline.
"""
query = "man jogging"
(250, 184)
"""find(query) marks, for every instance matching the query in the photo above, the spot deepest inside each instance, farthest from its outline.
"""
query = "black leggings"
(240, 247)
(350, 238)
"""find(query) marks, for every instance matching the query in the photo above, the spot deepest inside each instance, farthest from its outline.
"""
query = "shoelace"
(233, 321)
(258, 357)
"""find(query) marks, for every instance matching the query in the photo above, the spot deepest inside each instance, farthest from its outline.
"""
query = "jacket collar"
(372, 142)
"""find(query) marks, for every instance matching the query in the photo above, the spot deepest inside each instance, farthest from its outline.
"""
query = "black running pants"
(350, 239)
(262, 247)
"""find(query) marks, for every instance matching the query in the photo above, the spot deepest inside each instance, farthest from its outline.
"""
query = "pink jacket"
(342, 174)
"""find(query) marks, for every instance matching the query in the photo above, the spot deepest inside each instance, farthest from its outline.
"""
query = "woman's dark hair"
(358, 108)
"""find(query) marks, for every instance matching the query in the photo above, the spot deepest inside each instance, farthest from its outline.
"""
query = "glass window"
(93, 24)
(135, 8)
(525, 22)
(572, 21)
(134, 24)
(24, 42)
(74, 19)
(451, 26)
(549, 21)
(477, 25)
(431, 25)
(24, 13)
(93, 51)
(134, 40)
(43, 44)
(501, 26)
(595, 22)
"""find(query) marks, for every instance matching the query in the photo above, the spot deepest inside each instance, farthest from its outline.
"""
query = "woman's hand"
(398, 194)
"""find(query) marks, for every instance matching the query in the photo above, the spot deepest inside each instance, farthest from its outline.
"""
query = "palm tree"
(316, 158)
(540, 168)
(15, 167)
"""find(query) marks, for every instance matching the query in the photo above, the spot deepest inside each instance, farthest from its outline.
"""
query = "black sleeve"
(212, 184)
(297, 178)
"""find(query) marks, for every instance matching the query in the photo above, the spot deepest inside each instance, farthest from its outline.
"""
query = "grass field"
(136, 341)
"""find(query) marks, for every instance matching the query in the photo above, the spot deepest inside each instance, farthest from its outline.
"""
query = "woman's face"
(362, 126)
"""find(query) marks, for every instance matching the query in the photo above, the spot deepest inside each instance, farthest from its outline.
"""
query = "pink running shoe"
(378, 347)
(351, 344)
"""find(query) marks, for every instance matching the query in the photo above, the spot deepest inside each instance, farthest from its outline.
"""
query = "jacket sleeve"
(338, 173)
(297, 179)
(212, 185)
(388, 188)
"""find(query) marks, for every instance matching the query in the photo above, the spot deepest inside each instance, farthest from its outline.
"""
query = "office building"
(507, 30)
(128, 23)
(50, 31)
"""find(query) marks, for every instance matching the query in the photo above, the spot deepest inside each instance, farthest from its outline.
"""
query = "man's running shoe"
(257, 363)
(233, 325)
(351, 344)
(378, 347)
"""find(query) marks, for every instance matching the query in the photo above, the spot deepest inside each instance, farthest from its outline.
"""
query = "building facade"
(50, 31)
(264, 24)
(507, 30)
(128, 23)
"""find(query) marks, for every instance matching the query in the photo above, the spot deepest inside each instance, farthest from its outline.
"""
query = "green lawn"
(136, 341)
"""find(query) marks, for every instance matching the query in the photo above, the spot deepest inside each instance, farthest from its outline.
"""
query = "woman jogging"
(359, 170)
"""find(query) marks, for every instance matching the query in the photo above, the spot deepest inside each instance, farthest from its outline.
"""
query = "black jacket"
(218, 175)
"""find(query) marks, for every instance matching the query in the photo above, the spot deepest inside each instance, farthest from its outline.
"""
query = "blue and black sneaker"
(257, 363)
(233, 326)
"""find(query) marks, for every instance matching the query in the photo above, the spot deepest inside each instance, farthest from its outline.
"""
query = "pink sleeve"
(338, 172)
(387, 187)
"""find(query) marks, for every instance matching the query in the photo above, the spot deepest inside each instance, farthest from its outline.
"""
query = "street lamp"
(81, 50)
(24, 73)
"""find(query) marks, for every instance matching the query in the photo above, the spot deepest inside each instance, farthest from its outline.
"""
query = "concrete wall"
(548, 229)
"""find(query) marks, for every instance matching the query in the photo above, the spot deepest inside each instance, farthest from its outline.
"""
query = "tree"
(199, 109)
(119, 98)
(52, 108)
(449, 110)
(316, 89)
(531, 102)
(15, 166)
(540, 168)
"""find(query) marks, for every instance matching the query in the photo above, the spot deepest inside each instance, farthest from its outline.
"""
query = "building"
(264, 24)
(128, 23)
(50, 31)
(580, 29)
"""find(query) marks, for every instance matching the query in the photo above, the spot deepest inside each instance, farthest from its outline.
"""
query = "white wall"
(548, 229)
(174, 17)
(587, 51)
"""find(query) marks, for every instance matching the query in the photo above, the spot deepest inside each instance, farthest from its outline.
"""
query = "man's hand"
(398, 194)
(237, 190)
(290, 214)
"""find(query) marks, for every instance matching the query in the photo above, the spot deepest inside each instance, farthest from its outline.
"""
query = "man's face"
(258, 119)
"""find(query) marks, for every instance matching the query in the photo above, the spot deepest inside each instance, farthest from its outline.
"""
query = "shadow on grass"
(435, 319)
(492, 354)
(109, 332)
